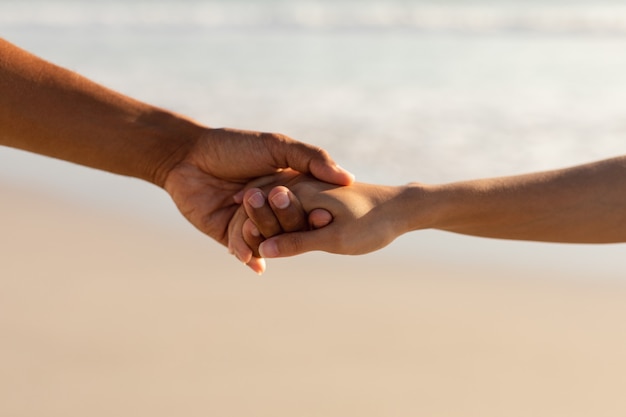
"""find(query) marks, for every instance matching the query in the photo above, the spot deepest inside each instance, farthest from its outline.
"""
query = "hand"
(205, 181)
(276, 213)
(364, 218)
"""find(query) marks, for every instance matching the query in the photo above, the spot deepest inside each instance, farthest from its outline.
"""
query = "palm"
(205, 200)
(218, 167)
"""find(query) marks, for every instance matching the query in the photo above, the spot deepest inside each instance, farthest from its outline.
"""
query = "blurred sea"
(396, 90)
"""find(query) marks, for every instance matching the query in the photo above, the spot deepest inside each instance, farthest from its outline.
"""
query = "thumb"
(312, 160)
(296, 243)
(319, 218)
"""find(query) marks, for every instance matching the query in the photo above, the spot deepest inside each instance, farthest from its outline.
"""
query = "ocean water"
(396, 90)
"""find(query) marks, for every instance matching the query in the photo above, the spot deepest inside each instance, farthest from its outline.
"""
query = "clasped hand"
(221, 162)
(291, 213)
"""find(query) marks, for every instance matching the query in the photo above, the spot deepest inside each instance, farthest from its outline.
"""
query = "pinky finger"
(252, 237)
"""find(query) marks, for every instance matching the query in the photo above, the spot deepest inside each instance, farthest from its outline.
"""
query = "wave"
(338, 15)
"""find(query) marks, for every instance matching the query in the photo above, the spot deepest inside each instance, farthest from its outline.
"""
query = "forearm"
(583, 204)
(52, 111)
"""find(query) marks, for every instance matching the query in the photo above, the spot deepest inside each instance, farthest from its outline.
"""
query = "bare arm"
(52, 111)
(582, 204)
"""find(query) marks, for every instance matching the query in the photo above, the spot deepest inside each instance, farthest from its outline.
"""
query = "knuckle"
(274, 137)
(322, 153)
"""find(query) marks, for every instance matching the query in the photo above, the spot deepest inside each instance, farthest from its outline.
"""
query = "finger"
(291, 244)
(264, 181)
(307, 158)
(261, 213)
(236, 242)
(287, 209)
(257, 265)
(252, 237)
(319, 218)
(329, 171)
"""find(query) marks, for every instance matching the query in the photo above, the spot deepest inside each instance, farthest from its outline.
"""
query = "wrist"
(422, 206)
(173, 137)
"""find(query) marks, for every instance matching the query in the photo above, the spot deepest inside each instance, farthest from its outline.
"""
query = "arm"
(582, 204)
(51, 111)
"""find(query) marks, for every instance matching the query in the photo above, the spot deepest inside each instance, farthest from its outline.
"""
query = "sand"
(103, 313)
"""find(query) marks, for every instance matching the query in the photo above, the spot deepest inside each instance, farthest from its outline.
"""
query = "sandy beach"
(106, 314)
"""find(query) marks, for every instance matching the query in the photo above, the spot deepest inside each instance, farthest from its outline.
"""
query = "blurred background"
(396, 91)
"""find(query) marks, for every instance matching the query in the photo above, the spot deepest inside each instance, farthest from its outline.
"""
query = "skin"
(55, 112)
(277, 213)
(581, 204)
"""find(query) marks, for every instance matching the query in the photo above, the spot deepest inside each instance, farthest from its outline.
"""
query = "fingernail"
(256, 200)
(281, 200)
(268, 249)
(254, 230)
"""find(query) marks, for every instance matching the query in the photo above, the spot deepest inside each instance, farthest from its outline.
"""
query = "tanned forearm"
(52, 111)
(583, 204)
